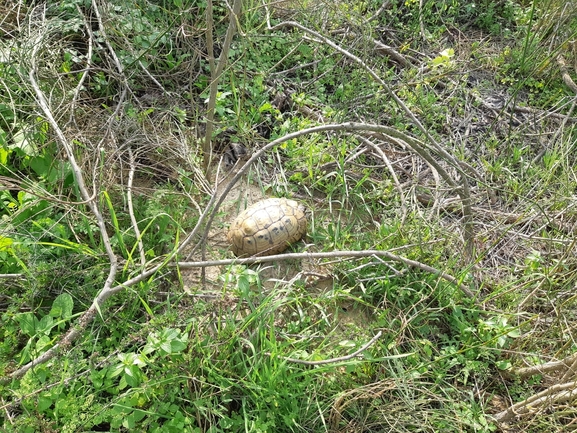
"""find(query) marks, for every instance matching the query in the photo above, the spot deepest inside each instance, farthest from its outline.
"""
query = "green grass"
(245, 351)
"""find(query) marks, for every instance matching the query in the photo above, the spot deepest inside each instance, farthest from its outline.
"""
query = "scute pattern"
(267, 227)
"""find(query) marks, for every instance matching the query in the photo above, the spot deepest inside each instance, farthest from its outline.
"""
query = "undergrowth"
(340, 344)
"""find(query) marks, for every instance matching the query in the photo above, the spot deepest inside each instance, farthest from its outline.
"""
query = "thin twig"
(570, 372)
(333, 360)
(554, 394)
(115, 60)
(131, 208)
(331, 254)
(373, 17)
(8, 415)
(215, 78)
(206, 145)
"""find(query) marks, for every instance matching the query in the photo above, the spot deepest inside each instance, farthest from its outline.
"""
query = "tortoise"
(267, 227)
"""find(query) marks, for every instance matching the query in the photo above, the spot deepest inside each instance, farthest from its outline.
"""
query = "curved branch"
(333, 360)
(417, 146)
(462, 191)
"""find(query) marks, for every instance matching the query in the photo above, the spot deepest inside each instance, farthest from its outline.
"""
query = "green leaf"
(3, 152)
(45, 325)
(133, 376)
(267, 106)
(28, 323)
(132, 419)
(62, 306)
(515, 333)
(503, 365)
(166, 347)
(5, 243)
(116, 370)
(25, 355)
(243, 284)
(305, 49)
(40, 165)
(22, 142)
(177, 346)
(97, 377)
(44, 343)
(44, 403)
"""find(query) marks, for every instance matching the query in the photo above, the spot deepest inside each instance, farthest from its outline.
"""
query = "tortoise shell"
(267, 227)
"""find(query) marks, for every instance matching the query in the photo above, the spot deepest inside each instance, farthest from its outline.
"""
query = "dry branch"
(565, 73)
(131, 208)
(12, 276)
(564, 391)
(385, 50)
(334, 360)
(331, 254)
(554, 394)
(88, 316)
(216, 73)
(548, 367)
